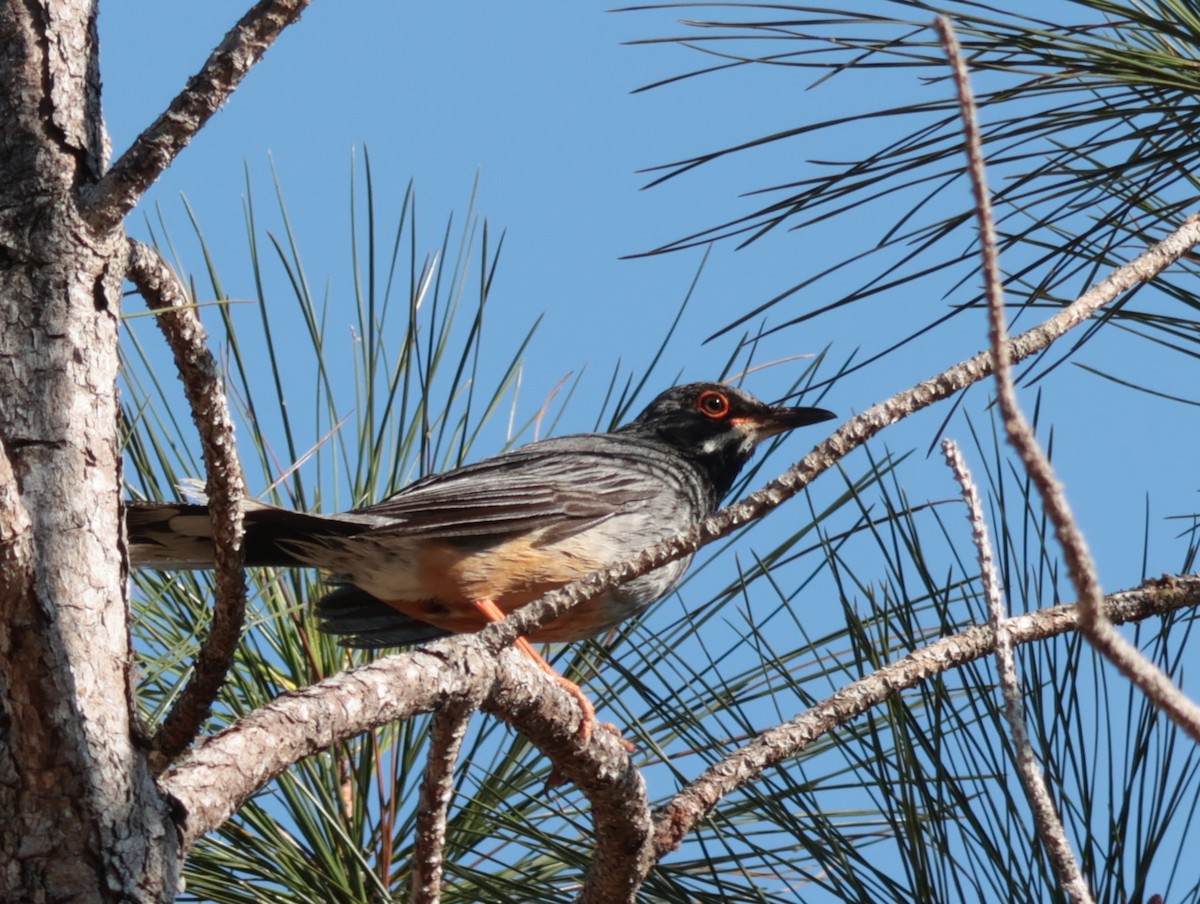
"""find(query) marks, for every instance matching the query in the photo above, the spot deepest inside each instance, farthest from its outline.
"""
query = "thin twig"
(674, 820)
(180, 323)
(1049, 825)
(107, 202)
(446, 733)
(1158, 686)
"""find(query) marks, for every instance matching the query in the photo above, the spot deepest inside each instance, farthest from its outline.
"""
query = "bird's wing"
(558, 486)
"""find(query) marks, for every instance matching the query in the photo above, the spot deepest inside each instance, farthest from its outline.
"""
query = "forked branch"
(105, 204)
(179, 322)
(1153, 682)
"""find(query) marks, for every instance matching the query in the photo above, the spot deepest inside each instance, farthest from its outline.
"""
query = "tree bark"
(80, 816)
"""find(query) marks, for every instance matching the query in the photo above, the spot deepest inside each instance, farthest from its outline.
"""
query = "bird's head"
(717, 426)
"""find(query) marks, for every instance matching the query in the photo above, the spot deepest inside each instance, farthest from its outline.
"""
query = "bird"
(454, 551)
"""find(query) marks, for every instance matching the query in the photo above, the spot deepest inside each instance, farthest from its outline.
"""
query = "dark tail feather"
(172, 535)
(179, 536)
(362, 621)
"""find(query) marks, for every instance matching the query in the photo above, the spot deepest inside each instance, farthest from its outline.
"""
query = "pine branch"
(446, 734)
(180, 324)
(1081, 567)
(1049, 824)
(848, 437)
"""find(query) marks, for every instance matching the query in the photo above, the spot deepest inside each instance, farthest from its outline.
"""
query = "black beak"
(779, 420)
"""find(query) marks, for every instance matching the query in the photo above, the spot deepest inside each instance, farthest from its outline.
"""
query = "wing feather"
(564, 485)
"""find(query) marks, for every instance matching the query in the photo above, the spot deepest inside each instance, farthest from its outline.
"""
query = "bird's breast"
(439, 581)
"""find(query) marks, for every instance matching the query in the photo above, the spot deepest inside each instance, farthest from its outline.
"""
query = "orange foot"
(493, 613)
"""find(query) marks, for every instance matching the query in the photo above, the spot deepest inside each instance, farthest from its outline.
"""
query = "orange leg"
(493, 613)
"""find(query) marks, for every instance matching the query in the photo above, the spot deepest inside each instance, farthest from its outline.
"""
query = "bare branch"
(201, 377)
(849, 436)
(1049, 825)
(1158, 686)
(106, 203)
(544, 712)
(674, 820)
(222, 771)
(446, 735)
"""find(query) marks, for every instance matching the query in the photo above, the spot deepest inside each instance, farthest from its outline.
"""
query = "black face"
(717, 426)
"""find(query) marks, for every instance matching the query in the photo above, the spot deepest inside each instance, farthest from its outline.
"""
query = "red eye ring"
(713, 404)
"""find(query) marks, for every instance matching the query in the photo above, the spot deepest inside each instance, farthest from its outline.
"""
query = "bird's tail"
(178, 535)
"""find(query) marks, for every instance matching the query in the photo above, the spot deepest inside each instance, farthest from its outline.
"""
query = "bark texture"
(80, 816)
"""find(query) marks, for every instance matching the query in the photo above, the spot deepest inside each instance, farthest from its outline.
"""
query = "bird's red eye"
(713, 404)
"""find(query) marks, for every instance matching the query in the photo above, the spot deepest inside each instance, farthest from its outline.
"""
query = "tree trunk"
(80, 816)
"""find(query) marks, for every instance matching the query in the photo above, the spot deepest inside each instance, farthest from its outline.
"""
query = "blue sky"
(534, 97)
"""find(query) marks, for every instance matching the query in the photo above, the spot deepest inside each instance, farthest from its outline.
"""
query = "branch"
(675, 819)
(105, 204)
(224, 770)
(221, 771)
(201, 377)
(1152, 680)
(848, 437)
(600, 768)
(446, 735)
(1049, 825)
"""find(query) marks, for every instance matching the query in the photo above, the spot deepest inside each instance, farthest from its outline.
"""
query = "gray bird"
(451, 552)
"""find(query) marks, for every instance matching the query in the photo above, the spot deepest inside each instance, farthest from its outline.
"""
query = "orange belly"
(509, 574)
